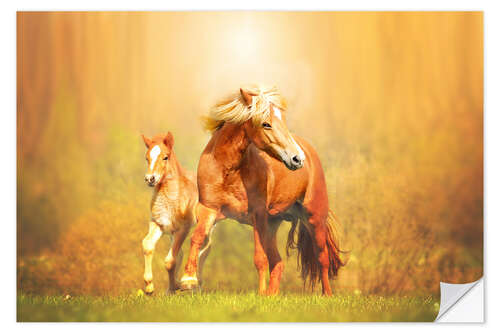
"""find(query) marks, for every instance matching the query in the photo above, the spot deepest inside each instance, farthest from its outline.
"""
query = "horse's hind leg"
(318, 230)
(148, 247)
(320, 235)
(171, 260)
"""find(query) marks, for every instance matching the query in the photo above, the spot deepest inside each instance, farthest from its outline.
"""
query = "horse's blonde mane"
(233, 109)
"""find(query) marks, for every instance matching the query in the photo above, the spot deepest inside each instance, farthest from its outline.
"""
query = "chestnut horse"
(175, 197)
(255, 171)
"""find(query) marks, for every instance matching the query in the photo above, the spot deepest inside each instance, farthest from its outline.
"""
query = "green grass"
(217, 307)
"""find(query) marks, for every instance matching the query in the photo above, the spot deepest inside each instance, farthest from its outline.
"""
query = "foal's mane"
(233, 108)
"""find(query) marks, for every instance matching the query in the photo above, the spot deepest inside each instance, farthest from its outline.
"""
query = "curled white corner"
(454, 298)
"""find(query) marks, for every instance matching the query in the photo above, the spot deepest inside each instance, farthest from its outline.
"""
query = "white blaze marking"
(302, 156)
(277, 112)
(153, 154)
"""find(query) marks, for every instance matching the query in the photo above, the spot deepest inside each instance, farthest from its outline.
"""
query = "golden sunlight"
(244, 41)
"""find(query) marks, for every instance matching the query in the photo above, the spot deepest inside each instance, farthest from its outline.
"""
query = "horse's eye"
(266, 125)
(165, 158)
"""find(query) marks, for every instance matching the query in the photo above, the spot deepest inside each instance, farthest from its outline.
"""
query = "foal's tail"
(307, 259)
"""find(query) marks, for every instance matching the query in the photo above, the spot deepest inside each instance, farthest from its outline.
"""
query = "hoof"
(170, 292)
(189, 285)
(149, 288)
(175, 290)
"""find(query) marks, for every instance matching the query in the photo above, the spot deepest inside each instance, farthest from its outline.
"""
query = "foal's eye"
(165, 158)
(266, 125)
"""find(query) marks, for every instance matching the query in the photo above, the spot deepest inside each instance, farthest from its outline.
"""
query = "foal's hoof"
(149, 290)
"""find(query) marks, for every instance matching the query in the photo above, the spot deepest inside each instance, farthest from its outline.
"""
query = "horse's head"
(272, 135)
(160, 151)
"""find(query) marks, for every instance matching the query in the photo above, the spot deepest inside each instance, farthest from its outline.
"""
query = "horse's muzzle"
(150, 180)
(293, 163)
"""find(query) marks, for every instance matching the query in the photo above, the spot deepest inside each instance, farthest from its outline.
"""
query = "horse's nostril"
(296, 159)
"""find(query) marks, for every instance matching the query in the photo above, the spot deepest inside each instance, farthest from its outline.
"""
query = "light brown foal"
(175, 197)
(255, 171)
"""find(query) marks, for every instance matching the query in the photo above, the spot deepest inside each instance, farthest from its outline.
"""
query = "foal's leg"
(276, 264)
(148, 247)
(260, 256)
(172, 256)
(205, 218)
(178, 261)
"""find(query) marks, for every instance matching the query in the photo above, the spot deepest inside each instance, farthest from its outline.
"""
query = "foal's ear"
(147, 141)
(168, 140)
(247, 96)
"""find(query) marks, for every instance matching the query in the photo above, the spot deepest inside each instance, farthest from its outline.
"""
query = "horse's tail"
(307, 259)
(332, 243)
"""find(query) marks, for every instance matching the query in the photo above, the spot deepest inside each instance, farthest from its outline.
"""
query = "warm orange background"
(393, 102)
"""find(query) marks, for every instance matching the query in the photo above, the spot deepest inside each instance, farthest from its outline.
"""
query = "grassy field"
(221, 307)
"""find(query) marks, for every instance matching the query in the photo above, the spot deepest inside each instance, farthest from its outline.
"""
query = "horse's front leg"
(276, 265)
(205, 218)
(171, 260)
(148, 247)
(204, 254)
(260, 256)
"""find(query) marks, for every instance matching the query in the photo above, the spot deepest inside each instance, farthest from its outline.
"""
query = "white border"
(8, 135)
(262, 5)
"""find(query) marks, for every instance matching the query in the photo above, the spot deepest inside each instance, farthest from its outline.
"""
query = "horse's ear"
(247, 96)
(147, 141)
(168, 140)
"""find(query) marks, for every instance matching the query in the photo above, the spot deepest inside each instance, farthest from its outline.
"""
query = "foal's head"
(158, 156)
(270, 134)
